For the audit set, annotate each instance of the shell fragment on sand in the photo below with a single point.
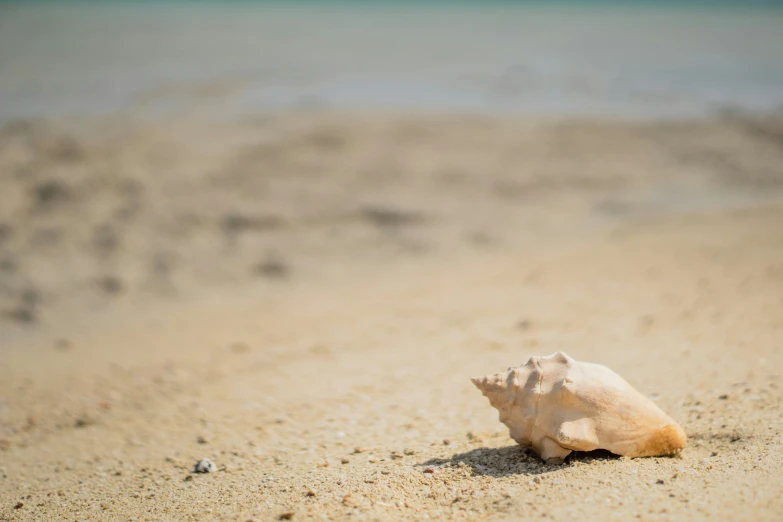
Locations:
(204, 466)
(557, 405)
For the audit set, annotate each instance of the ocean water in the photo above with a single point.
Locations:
(629, 59)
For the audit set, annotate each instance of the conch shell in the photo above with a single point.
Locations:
(557, 405)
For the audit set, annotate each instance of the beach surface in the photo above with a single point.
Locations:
(302, 298)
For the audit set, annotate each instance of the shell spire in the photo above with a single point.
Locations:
(493, 387)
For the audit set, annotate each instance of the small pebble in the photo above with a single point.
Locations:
(286, 516)
(204, 466)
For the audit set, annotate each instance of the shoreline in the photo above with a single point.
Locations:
(526, 60)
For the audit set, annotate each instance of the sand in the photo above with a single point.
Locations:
(302, 298)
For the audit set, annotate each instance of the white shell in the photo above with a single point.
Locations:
(557, 405)
(204, 466)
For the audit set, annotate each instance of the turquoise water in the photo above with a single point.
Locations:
(619, 58)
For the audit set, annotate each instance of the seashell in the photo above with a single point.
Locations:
(204, 466)
(556, 405)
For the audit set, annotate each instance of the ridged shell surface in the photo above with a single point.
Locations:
(557, 405)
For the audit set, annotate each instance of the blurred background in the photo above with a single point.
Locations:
(631, 58)
(152, 149)
(282, 235)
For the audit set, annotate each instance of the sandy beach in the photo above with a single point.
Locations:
(303, 297)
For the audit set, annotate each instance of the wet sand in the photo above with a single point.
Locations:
(302, 298)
